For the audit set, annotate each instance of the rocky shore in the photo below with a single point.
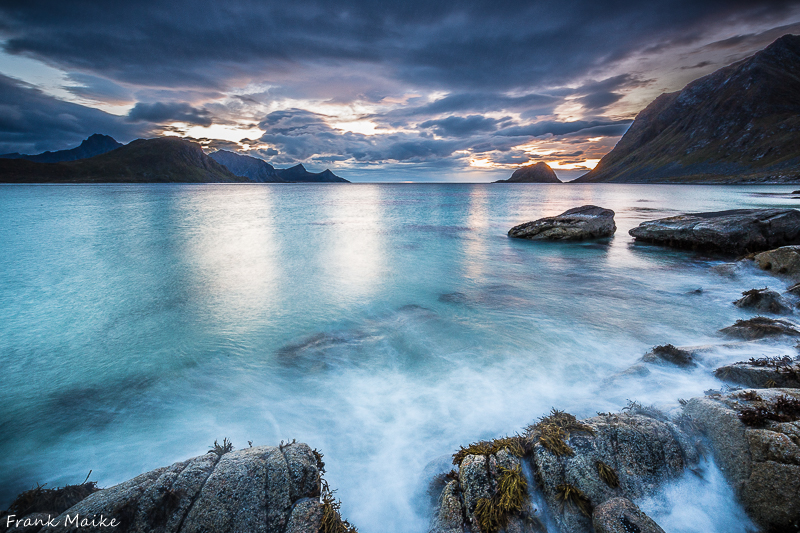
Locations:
(558, 474)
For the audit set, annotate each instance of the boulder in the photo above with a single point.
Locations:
(764, 301)
(762, 373)
(670, 355)
(259, 489)
(759, 328)
(738, 231)
(586, 222)
(620, 515)
(577, 465)
(755, 438)
(637, 453)
(783, 260)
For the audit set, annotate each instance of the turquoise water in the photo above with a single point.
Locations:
(383, 324)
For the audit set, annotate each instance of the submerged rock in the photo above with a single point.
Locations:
(620, 515)
(755, 438)
(260, 489)
(765, 301)
(586, 222)
(783, 260)
(763, 372)
(737, 231)
(669, 354)
(759, 328)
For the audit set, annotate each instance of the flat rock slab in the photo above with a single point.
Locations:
(737, 231)
(761, 375)
(579, 223)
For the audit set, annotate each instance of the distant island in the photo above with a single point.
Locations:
(538, 173)
(101, 159)
(740, 124)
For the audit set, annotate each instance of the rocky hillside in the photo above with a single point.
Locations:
(166, 159)
(538, 173)
(740, 124)
(252, 168)
(298, 173)
(95, 145)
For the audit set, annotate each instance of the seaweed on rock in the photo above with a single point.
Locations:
(221, 449)
(511, 496)
(553, 431)
(516, 445)
(56, 500)
(783, 409)
(607, 474)
(332, 521)
(567, 493)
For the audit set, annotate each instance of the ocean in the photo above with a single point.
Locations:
(385, 325)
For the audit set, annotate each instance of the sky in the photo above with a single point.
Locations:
(417, 90)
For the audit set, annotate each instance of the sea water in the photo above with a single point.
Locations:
(384, 325)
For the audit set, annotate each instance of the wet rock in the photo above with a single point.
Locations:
(642, 452)
(760, 460)
(620, 515)
(729, 270)
(577, 466)
(306, 517)
(794, 290)
(586, 222)
(250, 490)
(762, 373)
(737, 231)
(449, 515)
(764, 301)
(759, 328)
(670, 355)
(784, 260)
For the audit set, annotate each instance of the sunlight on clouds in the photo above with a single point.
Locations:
(588, 163)
(364, 127)
(223, 132)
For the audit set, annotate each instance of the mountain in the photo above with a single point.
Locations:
(298, 173)
(251, 168)
(740, 124)
(165, 159)
(538, 173)
(95, 145)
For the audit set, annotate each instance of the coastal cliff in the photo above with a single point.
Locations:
(740, 124)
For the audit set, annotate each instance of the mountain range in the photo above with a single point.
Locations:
(165, 159)
(740, 124)
(95, 145)
(260, 171)
(101, 159)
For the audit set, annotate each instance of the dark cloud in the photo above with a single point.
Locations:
(600, 100)
(477, 43)
(461, 126)
(100, 89)
(32, 122)
(160, 112)
(557, 128)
